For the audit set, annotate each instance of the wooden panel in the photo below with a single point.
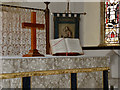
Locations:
(29, 25)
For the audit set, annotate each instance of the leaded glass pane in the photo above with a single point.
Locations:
(112, 22)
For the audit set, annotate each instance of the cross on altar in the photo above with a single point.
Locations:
(33, 52)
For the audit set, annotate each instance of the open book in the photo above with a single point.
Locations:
(66, 46)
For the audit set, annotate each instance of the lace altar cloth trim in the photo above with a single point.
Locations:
(17, 41)
(17, 65)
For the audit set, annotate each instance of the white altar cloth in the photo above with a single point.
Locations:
(29, 64)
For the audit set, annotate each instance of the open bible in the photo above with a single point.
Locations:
(66, 47)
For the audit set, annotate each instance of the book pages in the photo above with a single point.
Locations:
(73, 45)
(58, 46)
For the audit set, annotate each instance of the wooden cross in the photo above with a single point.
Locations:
(33, 52)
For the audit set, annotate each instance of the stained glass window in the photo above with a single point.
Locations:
(112, 22)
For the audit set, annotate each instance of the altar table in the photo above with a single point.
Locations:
(54, 72)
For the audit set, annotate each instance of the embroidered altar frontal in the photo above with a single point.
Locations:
(60, 79)
(14, 40)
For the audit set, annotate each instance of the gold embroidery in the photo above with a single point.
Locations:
(50, 72)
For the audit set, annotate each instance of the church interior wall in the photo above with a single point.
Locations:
(89, 24)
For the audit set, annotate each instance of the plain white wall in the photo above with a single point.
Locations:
(91, 24)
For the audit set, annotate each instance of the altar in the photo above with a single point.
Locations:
(54, 72)
(42, 72)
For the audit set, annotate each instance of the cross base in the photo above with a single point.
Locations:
(33, 53)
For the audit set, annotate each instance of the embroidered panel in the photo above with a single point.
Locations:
(16, 41)
(14, 83)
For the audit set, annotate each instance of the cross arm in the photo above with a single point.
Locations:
(33, 25)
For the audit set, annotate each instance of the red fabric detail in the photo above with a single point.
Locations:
(67, 54)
